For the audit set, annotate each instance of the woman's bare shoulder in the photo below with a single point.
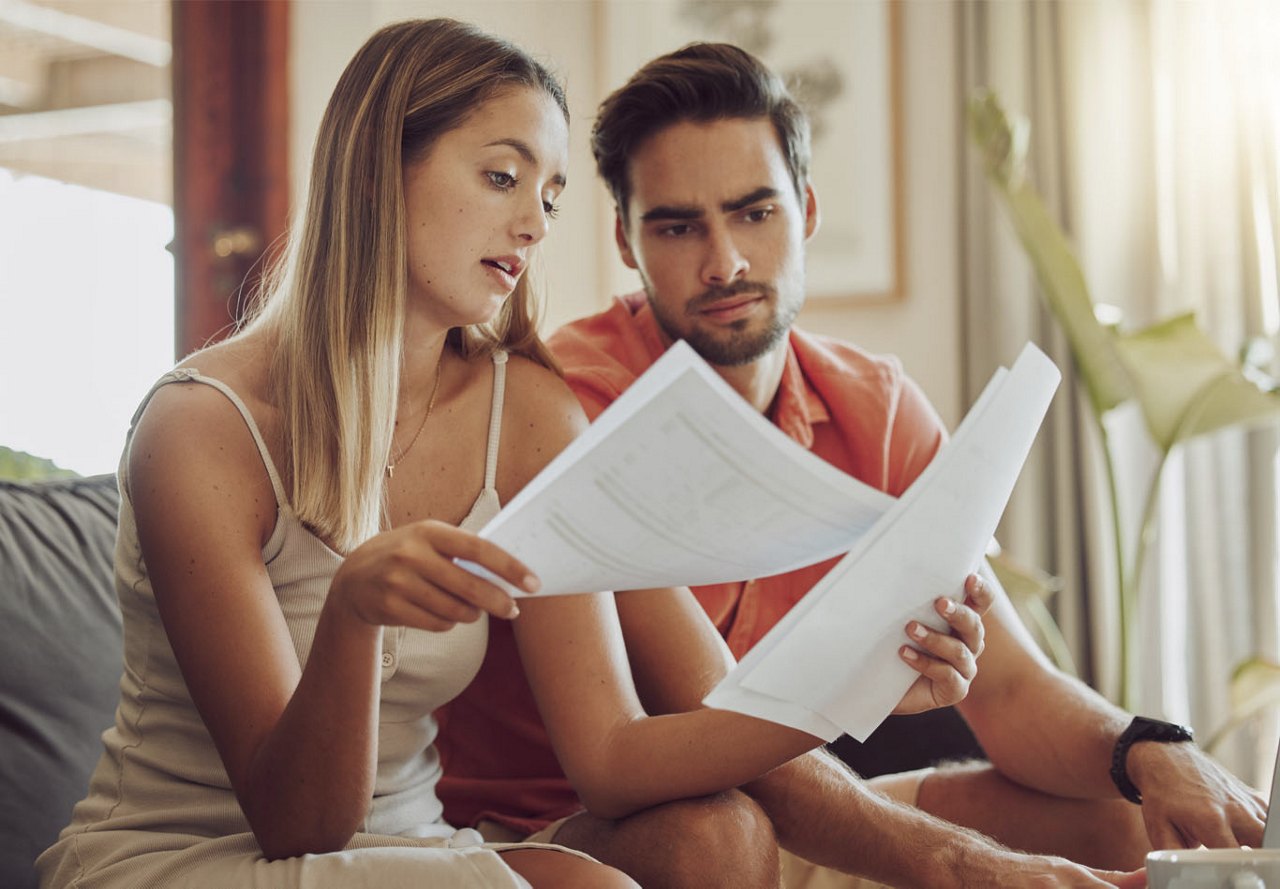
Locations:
(541, 416)
(540, 396)
(192, 445)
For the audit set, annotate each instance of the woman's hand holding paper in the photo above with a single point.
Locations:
(947, 662)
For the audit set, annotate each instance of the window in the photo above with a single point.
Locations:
(86, 316)
(86, 282)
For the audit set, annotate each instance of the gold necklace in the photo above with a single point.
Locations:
(431, 402)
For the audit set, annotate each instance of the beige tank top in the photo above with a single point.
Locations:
(160, 770)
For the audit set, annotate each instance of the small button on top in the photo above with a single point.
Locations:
(465, 838)
(388, 659)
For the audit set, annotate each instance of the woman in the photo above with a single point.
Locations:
(293, 500)
(255, 468)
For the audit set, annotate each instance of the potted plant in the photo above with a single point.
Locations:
(1181, 381)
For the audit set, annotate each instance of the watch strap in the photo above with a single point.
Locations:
(1142, 728)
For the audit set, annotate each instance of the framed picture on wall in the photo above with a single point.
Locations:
(840, 58)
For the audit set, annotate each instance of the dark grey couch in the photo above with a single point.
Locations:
(60, 656)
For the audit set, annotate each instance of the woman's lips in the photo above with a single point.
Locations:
(507, 278)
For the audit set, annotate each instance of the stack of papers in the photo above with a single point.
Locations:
(681, 482)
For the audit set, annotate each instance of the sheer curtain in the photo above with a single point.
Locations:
(1155, 128)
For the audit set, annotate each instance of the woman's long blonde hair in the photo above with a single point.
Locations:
(335, 303)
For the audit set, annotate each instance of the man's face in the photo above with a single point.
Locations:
(717, 232)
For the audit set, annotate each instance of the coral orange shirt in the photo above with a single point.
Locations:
(857, 411)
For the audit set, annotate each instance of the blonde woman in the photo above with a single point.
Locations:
(293, 500)
(285, 651)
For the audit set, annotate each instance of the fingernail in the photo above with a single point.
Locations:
(910, 654)
(918, 630)
(531, 583)
(513, 612)
(948, 607)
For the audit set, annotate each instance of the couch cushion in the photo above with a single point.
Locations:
(60, 656)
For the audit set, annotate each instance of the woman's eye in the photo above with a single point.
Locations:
(550, 209)
(501, 180)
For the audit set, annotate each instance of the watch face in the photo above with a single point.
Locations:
(1146, 729)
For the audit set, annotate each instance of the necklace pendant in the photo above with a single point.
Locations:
(391, 471)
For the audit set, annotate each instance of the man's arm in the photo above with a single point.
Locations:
(820, 810)
(1046, 730)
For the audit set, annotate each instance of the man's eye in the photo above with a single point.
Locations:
(676, 231)
(501, 180)
(760, 214)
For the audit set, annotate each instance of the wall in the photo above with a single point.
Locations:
(922, 328)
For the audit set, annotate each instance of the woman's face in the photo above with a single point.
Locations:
(478, 203)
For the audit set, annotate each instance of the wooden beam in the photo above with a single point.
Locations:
(230, 131)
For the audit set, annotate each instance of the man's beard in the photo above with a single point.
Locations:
(741, 346)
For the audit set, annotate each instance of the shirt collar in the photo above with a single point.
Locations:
(797, 407)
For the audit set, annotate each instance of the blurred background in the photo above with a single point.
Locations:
(150, 152)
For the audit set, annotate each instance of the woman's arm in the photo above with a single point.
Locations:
(299, 745)
(617, 757)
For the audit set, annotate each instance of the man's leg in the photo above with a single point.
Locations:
(1099, 833)
(724, 840)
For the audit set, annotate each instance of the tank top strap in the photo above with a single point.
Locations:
(495, 419)
(191, 375)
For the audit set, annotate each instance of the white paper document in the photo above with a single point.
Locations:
(680, 482)
(831, 664)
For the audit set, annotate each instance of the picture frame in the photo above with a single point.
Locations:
(841, 59)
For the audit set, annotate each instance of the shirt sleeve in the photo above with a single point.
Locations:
(916, 435)
(593, 391)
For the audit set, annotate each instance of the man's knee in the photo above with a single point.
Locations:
(732, 821)
(720, 840)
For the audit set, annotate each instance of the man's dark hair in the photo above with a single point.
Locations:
(701, 82)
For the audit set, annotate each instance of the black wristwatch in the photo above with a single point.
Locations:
(1141, 729)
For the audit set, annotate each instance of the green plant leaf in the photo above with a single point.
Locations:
(1255, 686)
(1186, 386)
(1062, 283)
(21, 466)
(1029, 590)
(1020, 581)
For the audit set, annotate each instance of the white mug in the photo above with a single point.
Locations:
(1214, 869)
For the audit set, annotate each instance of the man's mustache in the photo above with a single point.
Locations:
(713, 295)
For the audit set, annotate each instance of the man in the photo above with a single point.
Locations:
(706, 157)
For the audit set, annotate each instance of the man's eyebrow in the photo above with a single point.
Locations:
(522, 148)
(691, 211)
(760, 194)
(672, 211)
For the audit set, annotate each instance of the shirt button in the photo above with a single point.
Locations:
(387, 659)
